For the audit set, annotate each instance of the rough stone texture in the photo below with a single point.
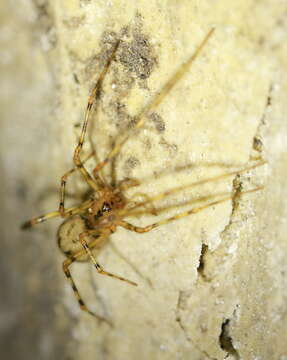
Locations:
(211, 285)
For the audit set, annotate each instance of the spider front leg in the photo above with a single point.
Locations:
(96, 183)
(155, 101)
(148, 202)
(128, 183)
(92, 98)
(66, 264)
(98, 267)
(63, 212)
(69, 212)
(194, 210)
(87, 250)
(82, 305)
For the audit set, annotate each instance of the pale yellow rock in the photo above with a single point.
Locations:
(211, 285)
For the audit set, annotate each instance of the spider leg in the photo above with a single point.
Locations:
(161, 209)
(92, 141)
(183, 187)
(64, 212)
(93, 96)
(69, 212)
(148, 202)
(66, 265)
(194, 210)
(128, 183)
(113, 170)
(157, 99)
(98, 267)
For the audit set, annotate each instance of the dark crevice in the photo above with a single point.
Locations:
(44, 15)
(226, 342)
(236, 192)
(258, 145)
(237, 189)
(268, 103)
(201, 266)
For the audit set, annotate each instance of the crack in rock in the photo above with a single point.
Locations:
(226, 341)
(257, 140)
(201, 265)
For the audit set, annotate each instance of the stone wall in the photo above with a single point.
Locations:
(211, 285)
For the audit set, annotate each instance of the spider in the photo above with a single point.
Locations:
(91, 223)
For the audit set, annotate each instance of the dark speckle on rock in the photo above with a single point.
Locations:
(158, 121)
(132, 162)
(137, 56)
(21, 190)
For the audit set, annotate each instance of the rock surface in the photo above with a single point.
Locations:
(211, 285)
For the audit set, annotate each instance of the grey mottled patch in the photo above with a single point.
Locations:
(171, 148)
(95, 63)
(158, 121)
(257, 144)
(76, 79)
(132, 162)
(137, 54)
(74, 21)
(44, 30)
(137, 57)
(122, 118)
(21, 190)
